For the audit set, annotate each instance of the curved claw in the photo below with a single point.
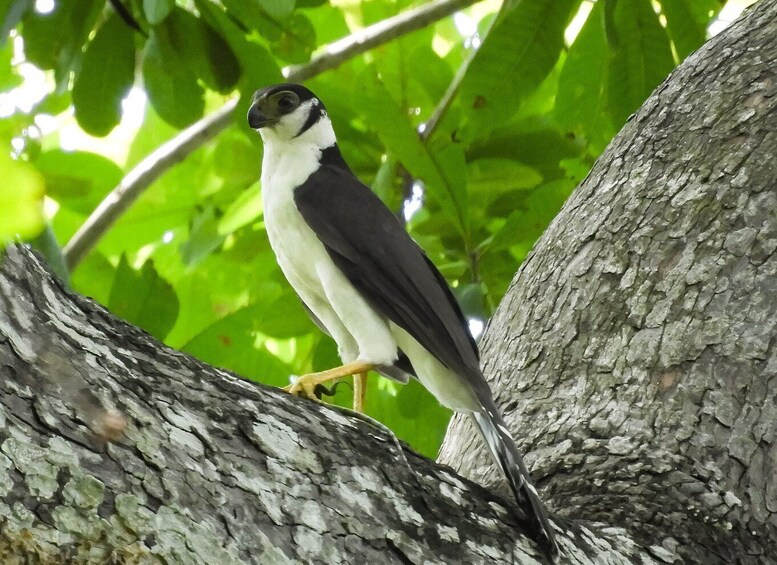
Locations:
(305, 388)
(310, 386)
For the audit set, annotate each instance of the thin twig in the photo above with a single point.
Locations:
(140, 178)
(430, 125)
(196, 135)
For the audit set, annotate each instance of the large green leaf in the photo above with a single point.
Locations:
(94, 277)
(520, 50)
(171, 86)
(9, 78)
(245, 209)
(21, 198)
(488, 176)
(204, 237)
(207, 54)
(528, 222)
(284, 318)
(11, 11)
(237, 160)
(78, 179)
(581, 98)
(257, 63)
(55, 40)
(641, 58)
(291, 35)
(410, 411)
(401, 139)
(106, 75)
(143, 298)
(221, 284)
(296, 41)
(232, 343)
(277, 8)
(687, 21)
(157, 10)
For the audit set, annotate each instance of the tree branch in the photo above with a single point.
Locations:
(116, 448)
(377, 34)
(636, 348)
(176, 149)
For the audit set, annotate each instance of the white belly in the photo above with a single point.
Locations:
(360, 332)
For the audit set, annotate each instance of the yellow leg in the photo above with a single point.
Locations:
(359, 391)
(306, 384)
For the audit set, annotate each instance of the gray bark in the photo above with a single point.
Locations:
(634, 357)
(115, 448)
(635, 354)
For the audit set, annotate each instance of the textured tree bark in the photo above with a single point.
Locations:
(635, 354)
(634, 357)
(115, 448)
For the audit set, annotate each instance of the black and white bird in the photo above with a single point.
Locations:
(367, 283)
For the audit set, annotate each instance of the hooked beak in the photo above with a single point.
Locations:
(256, 118)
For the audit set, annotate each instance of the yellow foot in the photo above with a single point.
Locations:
(306, 384)
(359, 391)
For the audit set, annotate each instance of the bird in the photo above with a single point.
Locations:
(368, 284)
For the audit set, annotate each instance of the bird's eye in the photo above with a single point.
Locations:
(286, 103)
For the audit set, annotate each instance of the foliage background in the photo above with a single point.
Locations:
(528, 93)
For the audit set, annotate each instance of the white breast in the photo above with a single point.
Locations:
(296, 247)
(360, 331)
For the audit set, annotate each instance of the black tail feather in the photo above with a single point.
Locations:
(506, 456)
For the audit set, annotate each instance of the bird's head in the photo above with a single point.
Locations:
(286, 112)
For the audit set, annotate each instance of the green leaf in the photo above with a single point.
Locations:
(256, 61)
(410, 411)
(78, 179)
(157, 10)
(251, 15)
(21, 199)
(291, 35)
(528, 222)
(246, 209)
(172, 88)
(278, 9)
(9, 78)
(330, 25)
(143, 298)
(46, 244)
(498, 175)
(106, 75)
(55, 40)
(397, 133)
(687, 21)
(581, 100)
(296, 41)
(236, 160)
(641, 58)
(94, 277)
(11, 11)
(536, 143)
(284, 318)
(202, 50)
(520, 50)
(204, 237)
(232, 343)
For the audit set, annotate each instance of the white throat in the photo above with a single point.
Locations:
(286, 131)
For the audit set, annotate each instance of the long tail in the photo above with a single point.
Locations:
(506, 456)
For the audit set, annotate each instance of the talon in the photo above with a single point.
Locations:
(307, 386)
(320, 390)
(303, 388)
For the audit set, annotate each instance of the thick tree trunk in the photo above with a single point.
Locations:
(636, 353)
(634, 357)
